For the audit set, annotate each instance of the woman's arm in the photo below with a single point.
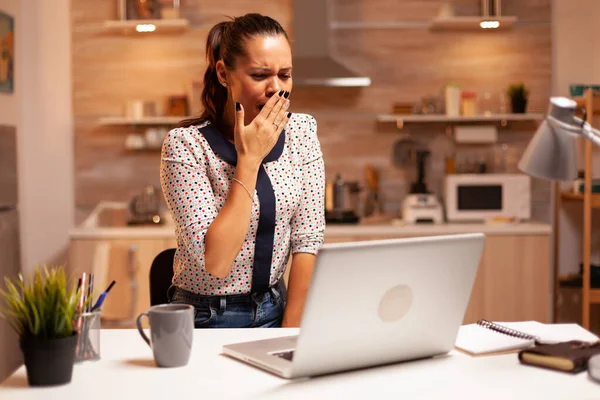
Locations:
(307, 224)
(226, 234)
(300, 276)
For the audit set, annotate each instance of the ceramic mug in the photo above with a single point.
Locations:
(171, 333)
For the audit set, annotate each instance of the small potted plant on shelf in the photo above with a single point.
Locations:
(42, 311)
(518, 95)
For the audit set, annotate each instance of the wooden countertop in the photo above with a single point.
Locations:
(91, 228)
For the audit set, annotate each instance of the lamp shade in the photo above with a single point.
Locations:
(551, 154)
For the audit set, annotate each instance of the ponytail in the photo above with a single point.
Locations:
(226, 41)
(214, 95)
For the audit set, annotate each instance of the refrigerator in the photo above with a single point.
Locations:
(10, 254)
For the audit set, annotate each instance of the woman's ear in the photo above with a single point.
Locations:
(221, 72)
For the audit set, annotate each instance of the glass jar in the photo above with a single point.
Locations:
(469, 103)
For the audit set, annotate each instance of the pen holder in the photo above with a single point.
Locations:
(88, 342)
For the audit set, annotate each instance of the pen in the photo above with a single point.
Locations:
(82, 294)
(90, 292)
(100, 300)
(81, 299)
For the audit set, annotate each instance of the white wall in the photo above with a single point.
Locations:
(42, 111)
(576, 43)
(46, 156)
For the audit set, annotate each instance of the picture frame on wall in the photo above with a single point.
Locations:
(7, 53)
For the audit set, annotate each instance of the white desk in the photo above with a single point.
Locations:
(127, 371)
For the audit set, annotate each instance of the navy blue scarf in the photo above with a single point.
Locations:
(265, 234)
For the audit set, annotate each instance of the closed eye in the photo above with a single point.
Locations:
(264, 76)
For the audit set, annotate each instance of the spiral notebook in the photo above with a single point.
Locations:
(486, 338)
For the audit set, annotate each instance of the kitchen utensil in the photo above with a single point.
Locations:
(422, 208)
(372, 201)
(403, 151)
(341, 200)
(419, 186)
(144, 208)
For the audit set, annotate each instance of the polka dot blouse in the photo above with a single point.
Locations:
(197, 167)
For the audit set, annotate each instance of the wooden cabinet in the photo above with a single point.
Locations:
(513, 282)
(127, 261)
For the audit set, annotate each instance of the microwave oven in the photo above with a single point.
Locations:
(479, 197)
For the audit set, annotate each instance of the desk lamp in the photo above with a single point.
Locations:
(552, 155)
(552, 152)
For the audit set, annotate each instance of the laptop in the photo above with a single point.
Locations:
(373, 303)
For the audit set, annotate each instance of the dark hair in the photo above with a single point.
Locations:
(226, 41)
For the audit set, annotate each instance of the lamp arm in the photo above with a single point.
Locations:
(583, 128)
(591, 134)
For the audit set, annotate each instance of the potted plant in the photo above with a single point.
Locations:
(42, 312)
(518, 94)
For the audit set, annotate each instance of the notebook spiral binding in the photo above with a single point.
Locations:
(505, 330)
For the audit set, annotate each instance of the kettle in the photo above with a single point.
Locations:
(341, 200)
(341, 195)
(144, 207)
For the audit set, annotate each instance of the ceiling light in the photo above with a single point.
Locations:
(145, 27)
(489, 24)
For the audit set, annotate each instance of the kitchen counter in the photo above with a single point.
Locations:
(108, 221)
(398, 227)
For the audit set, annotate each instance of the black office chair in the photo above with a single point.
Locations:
(161, 275)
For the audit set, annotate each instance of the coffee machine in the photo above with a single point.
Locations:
(421, 206)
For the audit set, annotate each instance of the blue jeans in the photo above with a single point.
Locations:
(256, 310)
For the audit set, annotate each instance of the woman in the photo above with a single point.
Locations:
(245, 185)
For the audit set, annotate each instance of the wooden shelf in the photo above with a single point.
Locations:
(580, 100)
(471, 23)
(400, 119)
(595, 296)
(594, 293)
(147, 26)
(570, 196)
(588, 295)
(140, 121)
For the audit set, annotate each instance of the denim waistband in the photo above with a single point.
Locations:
(178, 294)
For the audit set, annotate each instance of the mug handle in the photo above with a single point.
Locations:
(138, 322)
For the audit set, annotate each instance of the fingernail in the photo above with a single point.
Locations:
(286, 94)
(289, 115)
(281, 93)
(238, 106)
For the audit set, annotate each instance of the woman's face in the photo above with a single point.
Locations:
(265, 70)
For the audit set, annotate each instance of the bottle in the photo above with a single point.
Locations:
(450, 164)
(452, 100)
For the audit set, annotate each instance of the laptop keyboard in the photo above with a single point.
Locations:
(288, 355)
